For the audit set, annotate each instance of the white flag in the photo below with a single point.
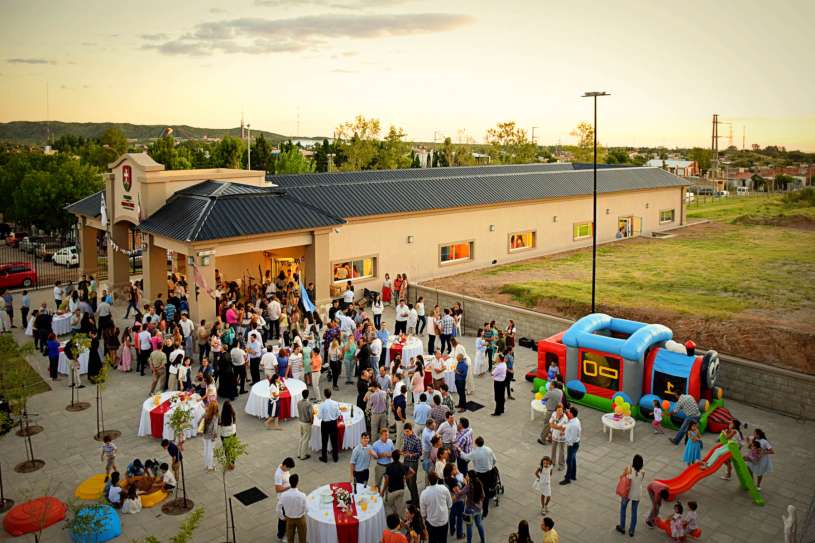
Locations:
(104, 212)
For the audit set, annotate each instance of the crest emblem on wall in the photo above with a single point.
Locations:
(127, 177)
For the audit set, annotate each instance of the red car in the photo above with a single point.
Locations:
(17, 274)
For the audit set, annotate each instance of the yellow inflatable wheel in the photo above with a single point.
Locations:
(91, 488)
(150, 500)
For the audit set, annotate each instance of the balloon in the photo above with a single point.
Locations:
(666, 405)
(618, 410)
(618, 400)
(626, 405)
(538, 396)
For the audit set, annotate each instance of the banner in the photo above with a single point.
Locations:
(310, 307)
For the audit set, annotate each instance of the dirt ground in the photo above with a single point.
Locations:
(779, 338)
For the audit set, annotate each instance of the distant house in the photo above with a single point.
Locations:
(682, 168)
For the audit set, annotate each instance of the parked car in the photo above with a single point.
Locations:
(17, 274)
(29, 243)
(46, 249)
(742, 191)
(723, 193)
(67, 256)
(704, 191)
(14, 239)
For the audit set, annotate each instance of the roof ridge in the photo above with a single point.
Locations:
(202, 218)
(313, 207)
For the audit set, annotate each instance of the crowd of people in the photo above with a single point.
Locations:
(435, 473)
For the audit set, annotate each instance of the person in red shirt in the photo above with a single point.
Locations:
(658, 492)
(392, 534)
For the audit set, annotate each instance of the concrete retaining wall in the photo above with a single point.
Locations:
(750, 382)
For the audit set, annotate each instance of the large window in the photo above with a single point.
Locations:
(456, 252)
(359, 268)
(520, 241)
(599, 370)
(666, 215)
(581, 230)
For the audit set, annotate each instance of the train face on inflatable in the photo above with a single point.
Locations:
(601, 357)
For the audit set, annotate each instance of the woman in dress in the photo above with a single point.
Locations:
(272, 422)
(94, 360)
(296, 362)
(227, 388)
(509, 334)
(387, 290)
(480, 363)
(417, 382)
(126, 352)
(693, 447)
(110, 336)
(397, 288)
(227, 426)
(759, 462)
(377, 308)
(458, 318)
(210, 434)
(334, 356)
(403, 288)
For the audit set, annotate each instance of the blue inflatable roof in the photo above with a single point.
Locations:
(583, 333)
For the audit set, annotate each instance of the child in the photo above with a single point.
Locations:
(690, 520)
(132, 503)
(553, 372)
(135, 468)
(167, 476)
(677, 523)
(657, 422)
(693, 448)
(109, 456)
(113, 492)
(543, 483)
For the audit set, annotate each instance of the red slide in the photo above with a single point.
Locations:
(693, 474)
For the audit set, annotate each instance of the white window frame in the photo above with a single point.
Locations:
(522, 233)
(457, 260)
(375, 259)
(673, 216)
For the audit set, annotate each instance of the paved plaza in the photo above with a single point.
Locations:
(586, 511)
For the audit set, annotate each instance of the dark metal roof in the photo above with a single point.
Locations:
(367, 176)
(90, 206)
(357, 199)
(214, 210)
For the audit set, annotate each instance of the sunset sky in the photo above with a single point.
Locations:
(429, 67)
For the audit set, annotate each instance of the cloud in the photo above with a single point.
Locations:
(30, 61)
(88, 44)
(256, 35)
(339, 4)
(159, 36)
(217, 10)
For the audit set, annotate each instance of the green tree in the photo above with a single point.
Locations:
(510, 144)
(227, 455)
(393, 152)
(229, 152)
(585, 144)
(617, 156)
(293, 161)
(414, 160)
(262, 155)
(702, 157)
(321, 156)
(164, 151)
(360, 141)
(115, 139)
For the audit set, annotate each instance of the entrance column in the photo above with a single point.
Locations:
(202, 304)
(318, 267)
(181, 264)
(154, 269)
(88, 263)
(118, 264)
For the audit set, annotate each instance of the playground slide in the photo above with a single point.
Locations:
(693, 474)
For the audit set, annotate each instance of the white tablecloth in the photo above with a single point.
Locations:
(320, 518)
(353, 429)
(412, 348)
(149, 404)
(62, 365)
(60, 324)
(258, 402)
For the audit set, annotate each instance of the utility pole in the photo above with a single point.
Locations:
(249, 147)
(533, 133)
(743, 136)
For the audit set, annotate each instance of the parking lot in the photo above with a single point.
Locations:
(47, 273)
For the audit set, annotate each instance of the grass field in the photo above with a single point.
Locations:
(752, 266)
(15, 372)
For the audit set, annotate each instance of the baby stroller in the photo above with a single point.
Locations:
(497, 486)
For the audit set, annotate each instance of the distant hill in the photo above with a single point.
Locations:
(36, 132)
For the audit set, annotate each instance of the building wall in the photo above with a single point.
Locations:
(387, 238)
(750, 382)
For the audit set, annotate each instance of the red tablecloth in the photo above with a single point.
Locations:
(395, 349)
(157, 419)
(347, 524)
(284, 405)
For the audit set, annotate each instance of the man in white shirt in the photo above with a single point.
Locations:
(58, 294)
(348, 296)
(145, 347)
(329, 413)
(347, 325)
(238, 357)
(282, 482)
(269, 363)
(447, 431)
(292, 505)
(437, 368)
(435, 503)
(573, 431)
(187, 327)
(376, 352)
(402, 314)
(274, 310)
(499, 375)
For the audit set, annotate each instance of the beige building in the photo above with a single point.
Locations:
(360, 225)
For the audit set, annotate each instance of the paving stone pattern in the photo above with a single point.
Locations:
(585, 511)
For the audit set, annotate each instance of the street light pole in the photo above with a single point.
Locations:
(594, 95)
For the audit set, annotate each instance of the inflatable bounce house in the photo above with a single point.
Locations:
(601, 358)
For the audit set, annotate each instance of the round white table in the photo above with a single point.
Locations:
(412, 348)
(354, 428)
(536, 407)
(194, 403)
(62, 365)
(61, 324)
(257, 404)
(449, 370)
(320, 518)
(610, 424)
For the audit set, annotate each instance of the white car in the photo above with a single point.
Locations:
(67, 256)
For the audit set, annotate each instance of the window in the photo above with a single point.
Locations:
(520, 241)
(666, 215)
(360, 268)
(581, 230)
(599, 370)
(454, 252)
